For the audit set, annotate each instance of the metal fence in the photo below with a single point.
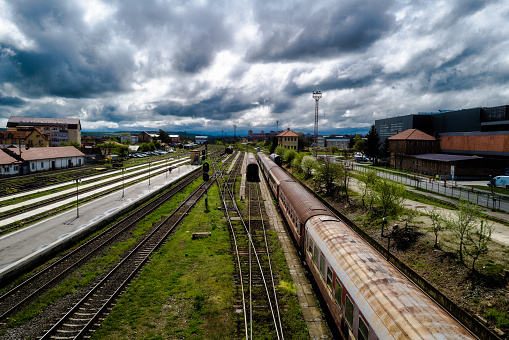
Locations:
(445, 188)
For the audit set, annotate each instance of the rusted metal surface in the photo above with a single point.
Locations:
(391, 304)
(303, 203)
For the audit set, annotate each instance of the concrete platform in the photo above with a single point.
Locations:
(23, 248)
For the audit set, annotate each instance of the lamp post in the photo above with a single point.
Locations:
(123, 170)
(149, 163)
(316, 95)
(78, 181)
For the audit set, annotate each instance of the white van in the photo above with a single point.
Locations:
(499, 181)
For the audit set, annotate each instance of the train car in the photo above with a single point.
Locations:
(298, 205)
(367, 296)
(252, 168)
(273, 173)
(276, 159)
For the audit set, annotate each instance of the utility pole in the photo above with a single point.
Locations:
(316, 95)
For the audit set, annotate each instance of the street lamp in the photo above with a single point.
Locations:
(123, 170)
(78, 181)
(316, 95)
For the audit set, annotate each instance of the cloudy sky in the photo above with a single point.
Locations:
(202, 66)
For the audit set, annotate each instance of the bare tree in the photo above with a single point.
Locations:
(367, 181)
(462, 224)
(436, 223)
(478, 241)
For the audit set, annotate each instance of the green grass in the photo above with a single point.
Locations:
(500, 318)
(95, 267)
(186, 291)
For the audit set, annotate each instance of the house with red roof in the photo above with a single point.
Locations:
(288, 139)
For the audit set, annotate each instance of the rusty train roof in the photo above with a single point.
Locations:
(392, 304)
(304, 203)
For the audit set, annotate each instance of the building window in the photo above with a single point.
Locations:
(33, 166)
(42, 165)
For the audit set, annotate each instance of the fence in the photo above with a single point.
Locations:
(483, 198)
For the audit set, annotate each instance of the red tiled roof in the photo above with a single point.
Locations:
(412, 134)
(50, 152)
(288, 133)
(15, 134)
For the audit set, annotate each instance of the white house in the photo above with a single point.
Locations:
(133, 139)
(8, 164)
(44, 159)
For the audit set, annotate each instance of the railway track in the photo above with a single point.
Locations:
(44, 202)
(257, 303)
(84, 315)
(39, 283)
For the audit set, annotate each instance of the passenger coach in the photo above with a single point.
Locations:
(366, 295)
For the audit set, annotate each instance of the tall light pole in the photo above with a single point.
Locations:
(149, 173)
(123, 170)
(78, 181)
(316, 95)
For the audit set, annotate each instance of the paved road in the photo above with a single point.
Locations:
(26, 244)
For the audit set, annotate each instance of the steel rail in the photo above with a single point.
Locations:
(59, 268)
(141, 254)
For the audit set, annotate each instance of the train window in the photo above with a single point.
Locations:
(338, 293)
(310, 245)
(363, 332)
(315, 257)
(349, 312)
(322, 266)
(329, 278)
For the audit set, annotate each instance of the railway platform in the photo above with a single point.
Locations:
(24, 247)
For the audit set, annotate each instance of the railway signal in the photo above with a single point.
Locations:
(205, 171)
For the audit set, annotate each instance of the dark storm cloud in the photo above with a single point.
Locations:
(70, 60)
(11, 101)
(319, 30)
(192, 34)
(120, 63)
(213, 108)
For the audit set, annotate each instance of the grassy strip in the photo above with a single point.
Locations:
(99, 265)
(186, 291)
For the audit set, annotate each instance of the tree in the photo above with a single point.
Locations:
(289, 156)
(436, 223)
(478, 241)
(273, 145)
(373, 144)
(367, 181)
(121, 150)
(360, 144)
(462, 224)
(307, 165)
(75, 144)
(165, 138)
(390, 196)
(386, 149)
(327, 174)
(280, 151)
